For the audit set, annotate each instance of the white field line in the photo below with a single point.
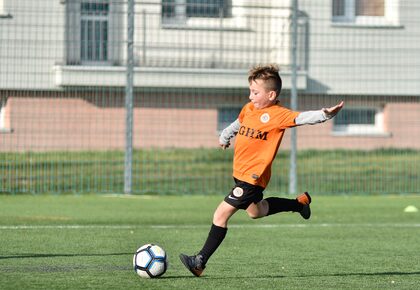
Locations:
(129, 227)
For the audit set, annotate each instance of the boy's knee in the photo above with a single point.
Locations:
(254, 215)
(220, 220)
(258, 210)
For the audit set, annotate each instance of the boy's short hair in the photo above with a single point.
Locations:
(269, 74)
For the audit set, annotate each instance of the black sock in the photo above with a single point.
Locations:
(215, 238)
(277, 204)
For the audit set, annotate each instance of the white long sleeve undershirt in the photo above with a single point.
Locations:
(229, 132)
(311, 117)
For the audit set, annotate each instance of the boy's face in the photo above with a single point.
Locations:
(260, 96)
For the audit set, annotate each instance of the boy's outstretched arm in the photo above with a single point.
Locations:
(228, 133)
(315, 117)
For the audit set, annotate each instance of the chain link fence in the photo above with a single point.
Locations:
(63, 79)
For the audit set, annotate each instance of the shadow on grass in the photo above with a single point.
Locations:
(33, 255)
(375, 274)
(388, 273)
(210, 277)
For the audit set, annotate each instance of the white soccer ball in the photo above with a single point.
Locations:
(150, 261)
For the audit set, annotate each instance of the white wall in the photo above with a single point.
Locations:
(31, 43)
(343, 59)
(363, 59)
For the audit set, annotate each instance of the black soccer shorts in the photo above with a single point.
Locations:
(243, 194)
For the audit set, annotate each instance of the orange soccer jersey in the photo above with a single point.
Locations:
(258, 140)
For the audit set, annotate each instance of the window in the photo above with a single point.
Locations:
(365, 12)
(4, 117)
(91, 36)
(94, 31)
(178, 11)
(359, 121)
(3, 12)
(225, 116)
(370, 8)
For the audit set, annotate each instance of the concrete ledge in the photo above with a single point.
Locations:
(115, 76)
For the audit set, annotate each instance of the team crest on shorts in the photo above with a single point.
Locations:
(237, 192)
(265, 118)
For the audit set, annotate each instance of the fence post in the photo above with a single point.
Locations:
(128, 176)
(144, 37)
(293, 102)
(220, 36)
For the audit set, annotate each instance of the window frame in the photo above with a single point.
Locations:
(3, 13)
(390, 17)
(181, 19)
(4, 117)
(94, 20)
(357, 129)
(74, 20)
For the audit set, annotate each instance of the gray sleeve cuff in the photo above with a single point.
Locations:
(229, 132)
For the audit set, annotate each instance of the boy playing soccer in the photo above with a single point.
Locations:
(259, 130)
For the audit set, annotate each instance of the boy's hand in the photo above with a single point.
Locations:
(332, 111)
(224, 146)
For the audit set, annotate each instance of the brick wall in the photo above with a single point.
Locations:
(67, 123)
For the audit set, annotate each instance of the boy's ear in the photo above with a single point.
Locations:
(272, 95)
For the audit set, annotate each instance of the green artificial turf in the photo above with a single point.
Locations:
(88, 241)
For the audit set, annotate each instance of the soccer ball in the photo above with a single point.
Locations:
(150, 261)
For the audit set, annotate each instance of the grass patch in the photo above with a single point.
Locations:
(87, 242)
(207, 171)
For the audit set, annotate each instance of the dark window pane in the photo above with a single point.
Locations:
(339, 7)
(370, 8)
(168, 8)
(94, 8)
(94, 31)
(104, 40)
(83, 43)
(97, 40)
(89, 40)
(205, 8)
(356, 117)
(196, 8)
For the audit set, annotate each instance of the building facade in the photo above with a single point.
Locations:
(63, 71)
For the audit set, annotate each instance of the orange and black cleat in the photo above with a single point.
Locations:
(305, 200)
(193, 263)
